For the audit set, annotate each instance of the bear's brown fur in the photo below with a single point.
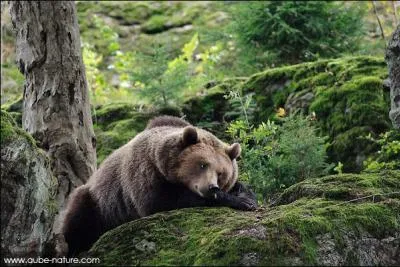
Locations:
(169, 165)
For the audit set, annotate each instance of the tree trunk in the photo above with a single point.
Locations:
(379, 21)
(56, 102)
(393, 60)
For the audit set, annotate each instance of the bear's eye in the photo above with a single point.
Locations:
(203, 165)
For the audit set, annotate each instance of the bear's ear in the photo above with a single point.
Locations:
(189, 136)
(233, 151)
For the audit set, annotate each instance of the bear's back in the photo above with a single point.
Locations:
(167, 121)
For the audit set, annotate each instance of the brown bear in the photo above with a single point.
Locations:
(169, 165)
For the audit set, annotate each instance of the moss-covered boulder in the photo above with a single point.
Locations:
(27, 193)
(116, 123)
(209, 110)
(347, 95)
(14, 109)
(170, 24)
(334, 220)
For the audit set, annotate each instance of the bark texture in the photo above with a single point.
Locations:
(393, 61)
(56, 110)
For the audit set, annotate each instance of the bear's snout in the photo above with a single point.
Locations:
(212, 191)
(213, 187)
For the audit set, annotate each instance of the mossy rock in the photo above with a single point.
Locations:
(343, 187)
(103, 115)
(14, 106)
(28, 190)
(14, 109)
(119, 133)
(10, 130)
(213, 110)
(206, 108)
(347, 96)
(117, 123)
(320, 225)
(156, 24)
(146, 22)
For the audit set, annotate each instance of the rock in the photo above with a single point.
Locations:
(184, 28)
(369, 251)
(117, 123)
(250, 259)
(326, 252)
(27, 193)
(343, 187)
(301, 100)
(393, 60)
(347, 96)
(145, 246)
(319, 223)
(256, 232)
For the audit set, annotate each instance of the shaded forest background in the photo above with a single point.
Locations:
(116, 40)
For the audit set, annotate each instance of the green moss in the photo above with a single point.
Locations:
(208, 111)
(148, 22)
(155, 24)
(128, 13)
(132, 13)
(14, 109)
(349, 101)
(178, 231)
(12, 79)
(325, 205)
(10, 131)
(313, 217)
(343, 187)
(350, 145)
(13, 106)
(7, 126)
(275, 235)
(108, 113)
(117, 134)
(117, 123)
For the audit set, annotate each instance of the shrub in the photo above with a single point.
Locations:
(293, 31)
(388, 155)
(160, 80)
(275, 157)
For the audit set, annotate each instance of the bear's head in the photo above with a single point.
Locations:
(206, 164)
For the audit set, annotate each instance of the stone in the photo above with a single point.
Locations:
(27, 193)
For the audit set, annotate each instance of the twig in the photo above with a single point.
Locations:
(379, 22)
(360, 198)
(244, 110)
(394, 13)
